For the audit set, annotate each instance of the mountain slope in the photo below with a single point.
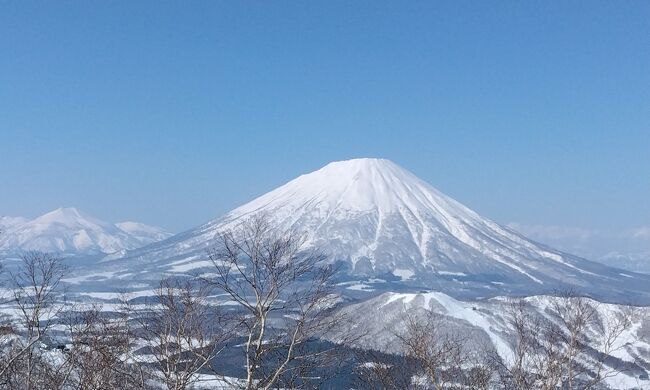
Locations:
(71, 232)
(488, 323)
(145, 234)
(7, 222)
(382, 221)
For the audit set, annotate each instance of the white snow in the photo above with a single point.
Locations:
(452, 273)
(184, 267)
(360, 287)
(91, 276)
(117, 295)
(404, 274)
(7, 222)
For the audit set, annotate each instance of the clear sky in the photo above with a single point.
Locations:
(172, 113)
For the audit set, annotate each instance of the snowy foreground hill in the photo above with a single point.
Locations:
(70, 232)
(488, 326)
(382, 222)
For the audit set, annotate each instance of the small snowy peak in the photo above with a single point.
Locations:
(70, 231)
(69, 217)
(358, 185)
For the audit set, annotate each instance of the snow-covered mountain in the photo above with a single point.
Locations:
(384, 222)
(72, 232)
(636, 261)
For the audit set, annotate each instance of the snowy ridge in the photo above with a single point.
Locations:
(70, 231)
(7, 222)
(145, 234)
(487, 321)
(382, 220)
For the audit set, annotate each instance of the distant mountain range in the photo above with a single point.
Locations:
(623, 248)
(69, 231)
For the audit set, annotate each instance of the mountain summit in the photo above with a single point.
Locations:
(381, 221)
(357, 186)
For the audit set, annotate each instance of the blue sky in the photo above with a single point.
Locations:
(172, 113)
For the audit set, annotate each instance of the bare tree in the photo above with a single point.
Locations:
(565, 347)
(88, 348)
(99, 351)
(35, 296)
(182, 332)
(535, 351)
(443, 357)
(434, 354)
(586, 329)
(272, 279)
(377, 370)
(613, 326)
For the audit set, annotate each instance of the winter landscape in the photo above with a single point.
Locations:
(324, 195)
(375, 255)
